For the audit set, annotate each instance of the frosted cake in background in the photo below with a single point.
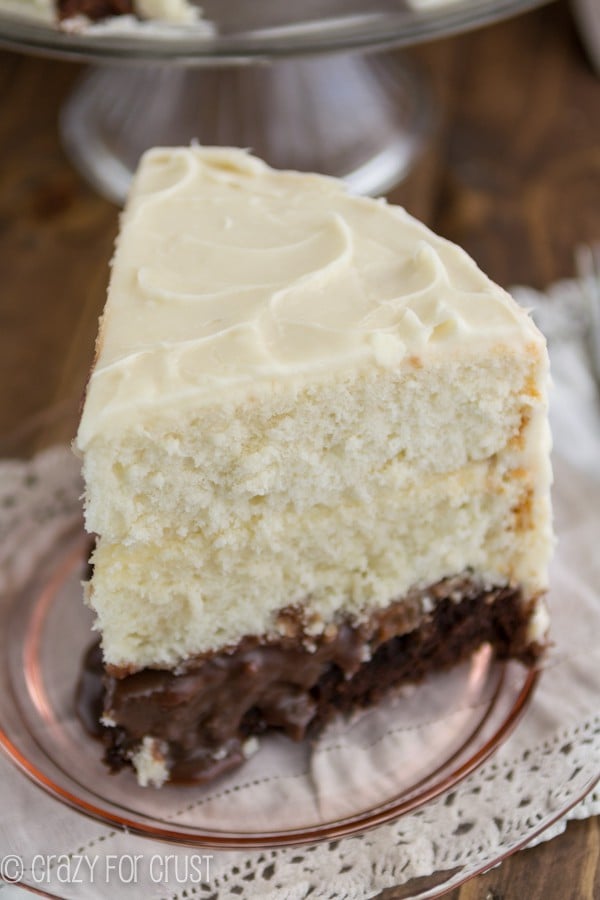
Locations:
(75, 15)
(316, 453)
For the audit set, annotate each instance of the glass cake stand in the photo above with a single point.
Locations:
(284, 79)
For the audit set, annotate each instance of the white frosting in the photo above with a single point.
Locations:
(37, 10)
(229, 274)
(178, 11)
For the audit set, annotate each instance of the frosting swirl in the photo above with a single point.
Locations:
(228, 272)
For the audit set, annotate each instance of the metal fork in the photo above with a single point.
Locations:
(587, 262)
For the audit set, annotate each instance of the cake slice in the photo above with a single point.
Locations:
(316, 455)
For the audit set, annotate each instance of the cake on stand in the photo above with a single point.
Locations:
(299, 84)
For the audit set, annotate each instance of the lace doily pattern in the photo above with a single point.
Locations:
(39, 499)
(454, 835)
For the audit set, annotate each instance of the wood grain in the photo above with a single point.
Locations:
(55, 240)
(513, 175)
(518, 152)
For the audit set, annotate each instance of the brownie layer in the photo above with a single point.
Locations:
(200, 717)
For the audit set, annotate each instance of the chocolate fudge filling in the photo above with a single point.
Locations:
(203, 713)
(94, 9)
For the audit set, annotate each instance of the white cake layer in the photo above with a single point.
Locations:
(215, 468)
(300, 397)
(159, 603)
(356, 493)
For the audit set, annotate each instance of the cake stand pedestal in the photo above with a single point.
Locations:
(361, 118)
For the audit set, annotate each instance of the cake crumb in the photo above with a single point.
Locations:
(315, 625)
(427, 604)
(219, 754)
(366, 655)
(149, 762)
(539, 623)
(250, 747)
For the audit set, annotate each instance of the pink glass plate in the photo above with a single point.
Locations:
(359, 774)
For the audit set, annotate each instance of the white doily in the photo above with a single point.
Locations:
(537, 774)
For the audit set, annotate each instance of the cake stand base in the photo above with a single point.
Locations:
(362, 118)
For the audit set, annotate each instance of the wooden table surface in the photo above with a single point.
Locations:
(513, 175)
